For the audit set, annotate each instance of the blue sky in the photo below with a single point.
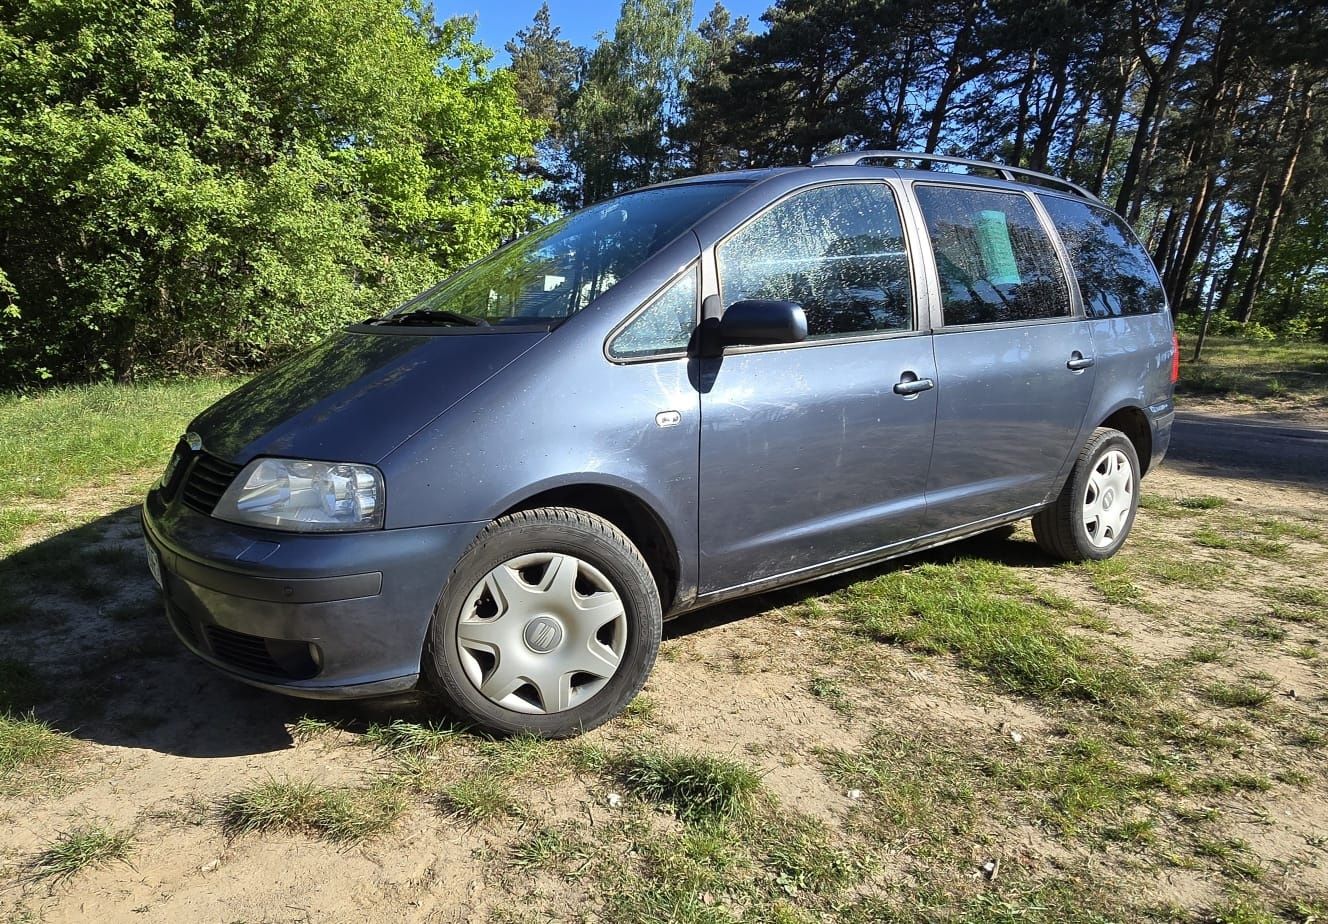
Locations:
(580, 20)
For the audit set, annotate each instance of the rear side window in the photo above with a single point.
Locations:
(1116, 277)
(838, 251)
(995, 261)
(665, 327)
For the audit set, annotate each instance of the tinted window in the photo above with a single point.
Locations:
(664, 327)
(558, 270)
(1116, 277)
(838, 251)
(994, 260)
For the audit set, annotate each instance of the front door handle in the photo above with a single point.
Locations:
(909, 385)
(1079, 362)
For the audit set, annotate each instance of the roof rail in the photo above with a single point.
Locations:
(1013, 174)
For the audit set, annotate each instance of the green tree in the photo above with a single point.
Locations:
(547, 71)
(186, 183)
(630, 102)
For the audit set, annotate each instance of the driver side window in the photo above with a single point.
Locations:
(838, 251)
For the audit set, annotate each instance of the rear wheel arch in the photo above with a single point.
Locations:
(629, 513)
(1133, 422)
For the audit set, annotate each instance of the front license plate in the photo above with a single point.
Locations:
(154, 562)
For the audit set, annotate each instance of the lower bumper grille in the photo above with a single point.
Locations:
(269, 657)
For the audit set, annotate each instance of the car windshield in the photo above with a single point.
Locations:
(559, 269)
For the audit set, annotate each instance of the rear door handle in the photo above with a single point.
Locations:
(1078, 361)
(909, 385)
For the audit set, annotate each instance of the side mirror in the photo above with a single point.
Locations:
(758, 322)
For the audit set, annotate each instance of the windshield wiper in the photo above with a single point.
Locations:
(424, 317)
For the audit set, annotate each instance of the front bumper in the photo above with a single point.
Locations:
(335, 616)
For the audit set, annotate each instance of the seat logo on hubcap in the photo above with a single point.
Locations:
(543, 634)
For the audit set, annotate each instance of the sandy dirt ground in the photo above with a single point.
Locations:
(162, 739)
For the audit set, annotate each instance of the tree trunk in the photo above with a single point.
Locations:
(1252, 214)
(1021, 117)
(954, 75)
(1245, 310)
(1077, 133)
(1159, 79)
(1212, 233)
(1047, 124)
(1113, 124)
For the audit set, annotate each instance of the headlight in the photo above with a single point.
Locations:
(304, 496)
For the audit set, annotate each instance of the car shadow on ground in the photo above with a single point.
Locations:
(86, 647)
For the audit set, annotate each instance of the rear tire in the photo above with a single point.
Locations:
(1093, 514)
(549, 625)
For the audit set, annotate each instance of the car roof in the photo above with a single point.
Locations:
(1031, 182)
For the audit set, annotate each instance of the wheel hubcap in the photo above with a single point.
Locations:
(542, 633)
(1108, 498)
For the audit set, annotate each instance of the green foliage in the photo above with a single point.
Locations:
(214, 182)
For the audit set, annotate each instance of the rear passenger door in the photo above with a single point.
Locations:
(1014, 360)
(809, 452)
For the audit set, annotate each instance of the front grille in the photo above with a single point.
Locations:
(208, 479)
(270, 657)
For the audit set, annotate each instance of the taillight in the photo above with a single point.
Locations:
(1175, 358)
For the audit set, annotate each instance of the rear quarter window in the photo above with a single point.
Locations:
(1116, 276)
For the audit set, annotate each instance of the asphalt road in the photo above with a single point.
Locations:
(1252, 449)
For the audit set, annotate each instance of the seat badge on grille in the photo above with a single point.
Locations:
(193, 441)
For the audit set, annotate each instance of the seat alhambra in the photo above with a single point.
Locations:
(694, 391)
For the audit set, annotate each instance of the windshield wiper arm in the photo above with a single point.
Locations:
(429, 317)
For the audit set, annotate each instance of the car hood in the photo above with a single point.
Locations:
(356, 396)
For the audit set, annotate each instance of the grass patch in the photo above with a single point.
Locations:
(1232, 538)
(1201, 574)
(1111, 578)
(73, 436)
(1207, 653)
(698, 787)
(87, 847)
(552, 849)
(478, 798)
(308, 727)
(914, 791)
(1203, 502)
(802, 858)
(1263, 629)
(980, 612)
(1233, 366)
(1298, 595)
(1241, 695)
(28, 743)
(338, 814)
(409, 737)
(832, 694)
(1220, 783)
(1287, 529)
(640, 711)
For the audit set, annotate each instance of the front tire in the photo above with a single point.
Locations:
(1094, 512)
(549, 625)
